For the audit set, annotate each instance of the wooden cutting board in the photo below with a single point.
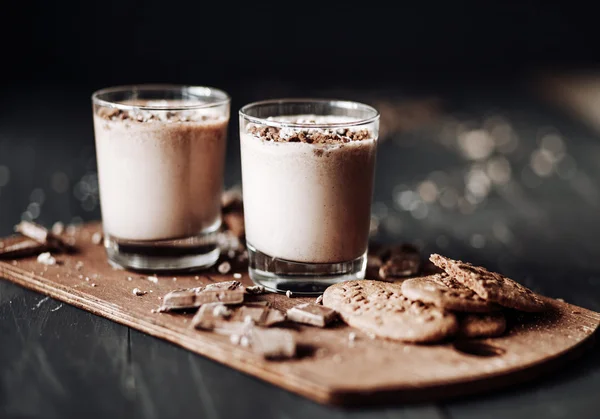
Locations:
(329, 368)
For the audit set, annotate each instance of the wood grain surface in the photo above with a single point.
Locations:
(329, 369)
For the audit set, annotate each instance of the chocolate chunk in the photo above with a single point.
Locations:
(273, 343)
(19, 246)
(229, 292)
(224, 286)
(180, 299)
(400, 261)
(206, 318)
(41, 235)
(259, 315)
(225, 297)
(255, 290)
(312, 314)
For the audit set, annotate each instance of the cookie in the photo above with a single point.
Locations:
(445, 292)
(490, 285)
(380, 308)
(482, 325)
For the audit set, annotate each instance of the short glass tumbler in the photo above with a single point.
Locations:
(161, 153)
(307, 172)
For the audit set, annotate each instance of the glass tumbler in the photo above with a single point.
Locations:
(307, 175)
(161, 153)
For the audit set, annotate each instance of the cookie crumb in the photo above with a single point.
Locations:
(94, 285)
(129, 278)
(97, 238)
(174, 279)
(237, 276)
(153, 279)
(319, 299)
(79, 265)
(560, 299)
(45, 259)
(138, 292)
(244, 341)
(288, 294)
(235, 339)
(351, 336)
(224, 267)
(153, 311)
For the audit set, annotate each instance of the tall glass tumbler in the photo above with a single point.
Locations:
(307, 171)
(161, 154)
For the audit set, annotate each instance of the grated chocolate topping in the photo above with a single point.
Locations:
(309, 135)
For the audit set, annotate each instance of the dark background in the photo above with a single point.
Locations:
(478, 62)
(95, 44)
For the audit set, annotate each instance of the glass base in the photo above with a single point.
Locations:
(191, 253)
(280, 275)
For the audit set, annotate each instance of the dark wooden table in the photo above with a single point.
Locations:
(525, 204)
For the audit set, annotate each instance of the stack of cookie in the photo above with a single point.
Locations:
(464, 301)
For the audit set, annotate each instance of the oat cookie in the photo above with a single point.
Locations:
(380, 308)
(490, 285)
(482, 325)
(445, 292)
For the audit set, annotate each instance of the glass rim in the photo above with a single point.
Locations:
(347, 104)
(201, 91)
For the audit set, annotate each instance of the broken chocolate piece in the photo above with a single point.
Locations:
(259, 315)
(312, 314)
(206, 318)
(180, 299)
(273, 343)
(19, 246)
(255, 290)
(225, 297)
(228, 292)
(400, 261)
(41, 235)
(273, 317)
(224, 286)
(255, 314)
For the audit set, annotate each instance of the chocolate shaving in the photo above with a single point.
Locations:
(309, 135)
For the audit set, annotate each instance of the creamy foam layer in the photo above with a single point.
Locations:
(308, 202)
(160, 174)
